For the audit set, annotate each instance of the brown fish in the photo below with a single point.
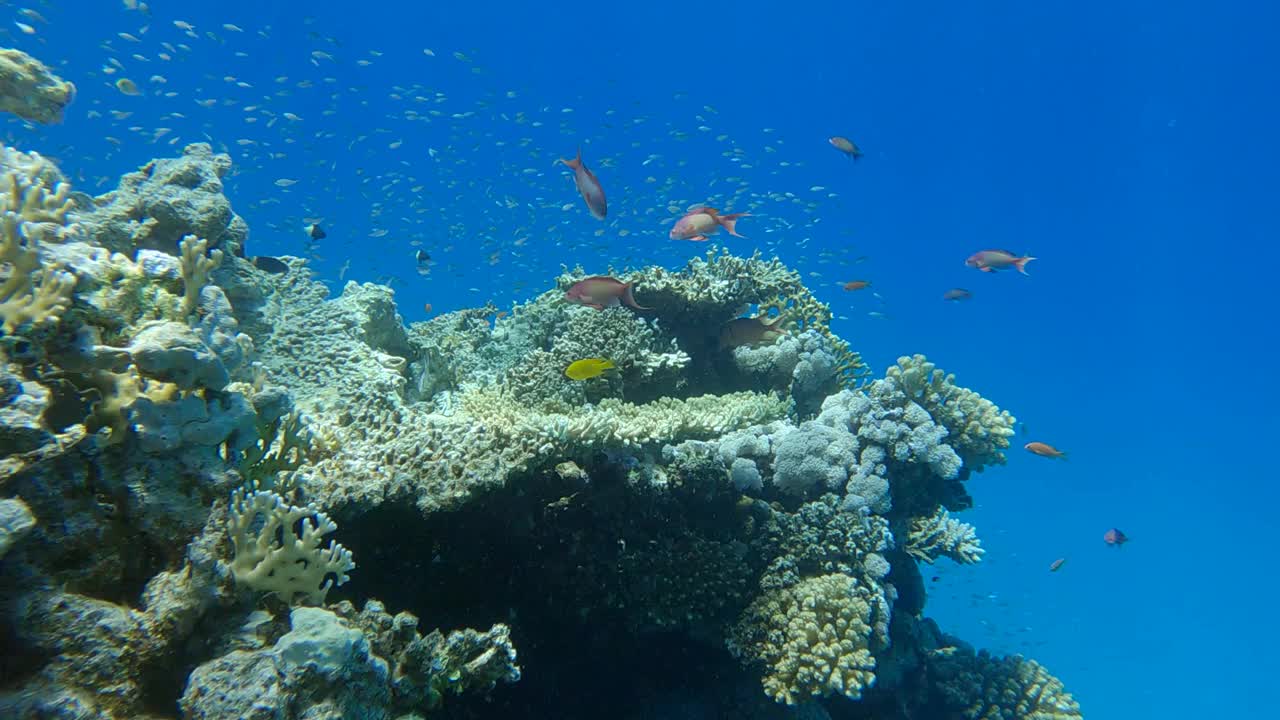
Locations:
(1044, 450)
(750, 331)
(589, 186)
(857, 285)
(602, 291)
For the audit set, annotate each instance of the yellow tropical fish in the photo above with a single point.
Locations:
(587, 368)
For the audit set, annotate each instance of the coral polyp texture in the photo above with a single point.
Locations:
(197, 452)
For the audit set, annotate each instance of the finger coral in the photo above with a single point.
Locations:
(814, 639)
(32, 293)
(983, 687)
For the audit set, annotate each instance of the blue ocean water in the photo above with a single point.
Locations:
(1131, 149)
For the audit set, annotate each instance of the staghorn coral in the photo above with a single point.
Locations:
(273, 555)
(814, 638)
(940, 535)
(983, 687)
(30, 90)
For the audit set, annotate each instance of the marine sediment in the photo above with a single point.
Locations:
(226, 494)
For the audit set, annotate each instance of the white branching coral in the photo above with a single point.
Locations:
(940, 535)
(277, 548)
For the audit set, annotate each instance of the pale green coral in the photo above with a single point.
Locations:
(815, 638)
(940, 535)
(977, 429)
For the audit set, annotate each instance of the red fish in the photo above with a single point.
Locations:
(1115, 537)
(600, 292)
(957, 294)
(700, 222)
(589, 186)
(857, 285)
(993, 260)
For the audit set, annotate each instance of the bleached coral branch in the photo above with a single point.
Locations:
(941, 535)
(277, 548)
(31, 293)
(196, 266)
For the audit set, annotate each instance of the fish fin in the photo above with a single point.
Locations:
(987, 268)
(698, 238)
(574, 163)
(728, 222)
(1021, 264)
(630, 299)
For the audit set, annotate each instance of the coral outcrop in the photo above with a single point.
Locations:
(195, 450)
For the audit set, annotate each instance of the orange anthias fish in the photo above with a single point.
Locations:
(846, 146)
(993, 260)
(857, 285)
(600, 292)
(1045, 450)
(750, 331)
(700, 222)
(589, 186)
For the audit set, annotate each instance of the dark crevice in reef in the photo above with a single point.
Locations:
(538, 559)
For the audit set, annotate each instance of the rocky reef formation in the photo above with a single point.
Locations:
(206, 468)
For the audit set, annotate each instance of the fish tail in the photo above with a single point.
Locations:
(1021, 264)
(630, 299)
(730, 221)
(574, 163)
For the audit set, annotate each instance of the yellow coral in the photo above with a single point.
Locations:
(196, 266)
(942, 535)
(32, 293)
(815, 638)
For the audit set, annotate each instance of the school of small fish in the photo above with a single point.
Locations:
(411, 167)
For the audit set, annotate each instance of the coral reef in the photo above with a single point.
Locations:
(30, 90)
(193, 451)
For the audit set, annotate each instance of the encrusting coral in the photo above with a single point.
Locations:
(30, 90)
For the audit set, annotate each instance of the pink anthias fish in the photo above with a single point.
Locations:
(602, 291)
(700, 222)
(589, 186)
(993, 260)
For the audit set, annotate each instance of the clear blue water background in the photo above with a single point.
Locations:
(1133, 149)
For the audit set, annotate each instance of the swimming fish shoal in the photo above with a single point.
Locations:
(587, 368)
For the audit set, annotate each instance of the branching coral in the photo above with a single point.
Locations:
(32, 292)
(978, 430)
(277, 548)
(814, 638)
(196, 266)
(940, 535)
